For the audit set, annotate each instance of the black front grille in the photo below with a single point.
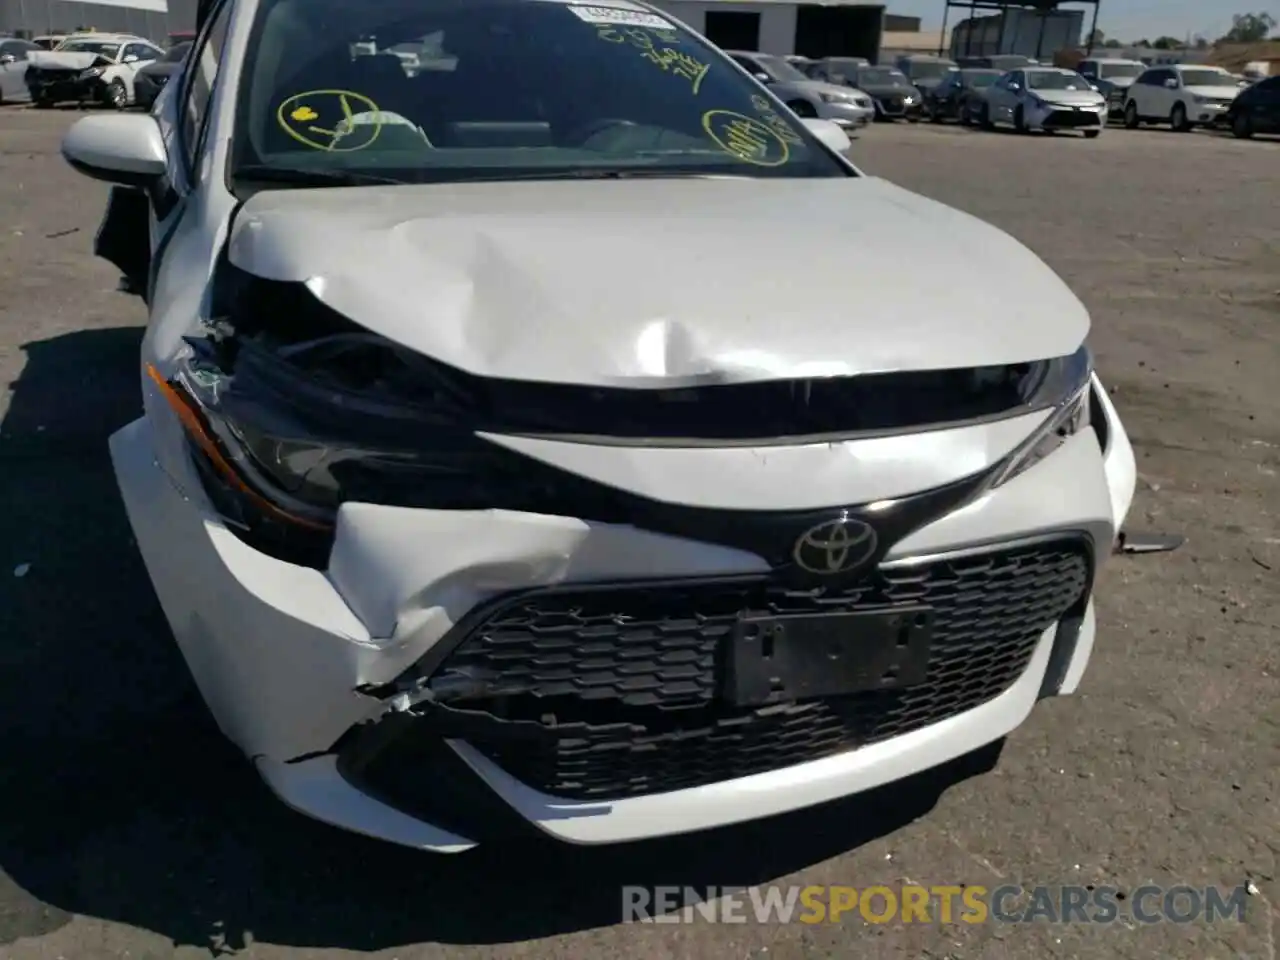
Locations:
(636, 668)
(1073, 118)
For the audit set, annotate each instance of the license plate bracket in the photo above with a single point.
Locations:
(773, 659)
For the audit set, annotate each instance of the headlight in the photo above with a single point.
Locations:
(1066, 384)
(863, 101)
(909, 99)
(91, 73)
(837, 98)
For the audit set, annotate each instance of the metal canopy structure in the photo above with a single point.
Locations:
(1002, 7)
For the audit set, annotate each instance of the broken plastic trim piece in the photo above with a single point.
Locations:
(1131, 543)
(195, 429)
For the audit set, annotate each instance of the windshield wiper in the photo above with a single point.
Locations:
(303, 177)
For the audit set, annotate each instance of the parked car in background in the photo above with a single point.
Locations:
(49, 41)
(1046, 98)
(1113, 77)
(826, 68)
(13, 68)
(1180, 95)
(151, 79)
(925, 71)
(1256, 110)
(851, 109)
(90, 68)
(961, 96)
(1003, 62)
(890, 91)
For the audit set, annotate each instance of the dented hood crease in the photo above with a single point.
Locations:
(661, 282)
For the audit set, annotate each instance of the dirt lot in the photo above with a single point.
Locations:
(128, 828)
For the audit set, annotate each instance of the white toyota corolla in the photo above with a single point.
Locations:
(526, 439)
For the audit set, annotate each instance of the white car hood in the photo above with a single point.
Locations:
(1071, 98)
(1215, 93)
(650, 282)
(67, 60)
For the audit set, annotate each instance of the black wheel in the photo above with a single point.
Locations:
(803, 108)
(966, 119)
(116, 96)
(1131, 118)
(1020, 121)
(1241, 126)
(1092, 134)
(43, 104)
(984, 118)
(931, 110)
(1178, 118)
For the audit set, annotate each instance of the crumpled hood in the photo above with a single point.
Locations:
(665, 281)
(68, 60)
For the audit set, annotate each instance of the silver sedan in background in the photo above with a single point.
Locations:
(1046, 98)
(850, 108)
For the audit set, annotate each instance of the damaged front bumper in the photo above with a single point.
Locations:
(326, 677)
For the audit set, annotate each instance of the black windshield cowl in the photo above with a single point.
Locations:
(303, 177)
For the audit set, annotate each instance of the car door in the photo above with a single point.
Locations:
(1165, 92)
(13, 69)
(1003, 99)
(1261, 104)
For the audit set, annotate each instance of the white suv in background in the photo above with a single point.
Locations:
(1181, 95)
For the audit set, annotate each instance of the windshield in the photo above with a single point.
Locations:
(177, 54)
(779, 69)
(929, 69)
(882, 77)
(1056, 80)
(1208, 78)
(1113, 71)
(108, 50)
(502, 89)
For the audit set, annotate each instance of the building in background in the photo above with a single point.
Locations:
(1019, 30)
(154, 19)
(841, 28)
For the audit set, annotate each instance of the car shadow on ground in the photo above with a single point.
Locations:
(120, 800)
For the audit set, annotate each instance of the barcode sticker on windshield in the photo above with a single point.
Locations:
(617, 15)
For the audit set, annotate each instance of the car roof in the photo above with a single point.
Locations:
(107, 37)
(1192, 66)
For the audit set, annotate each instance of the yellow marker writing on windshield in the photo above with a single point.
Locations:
(748, 139)
(343, 135)
(668, 59)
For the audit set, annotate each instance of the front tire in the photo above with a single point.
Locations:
(116, 96)
(1131, 118)
(1241, 127)
(1092, 134)
(1178, 118)
(966, 118)
(1020, 121)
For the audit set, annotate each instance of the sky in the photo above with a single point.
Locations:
(1127, 19)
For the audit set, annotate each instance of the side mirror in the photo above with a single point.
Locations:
(763, 77)
(829, 133)
(131, 58)
(1171, 84)
(1015, 86)
(123, 148)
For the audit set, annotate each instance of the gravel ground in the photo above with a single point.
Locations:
(129, 828)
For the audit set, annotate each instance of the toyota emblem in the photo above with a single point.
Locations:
(836, 546)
